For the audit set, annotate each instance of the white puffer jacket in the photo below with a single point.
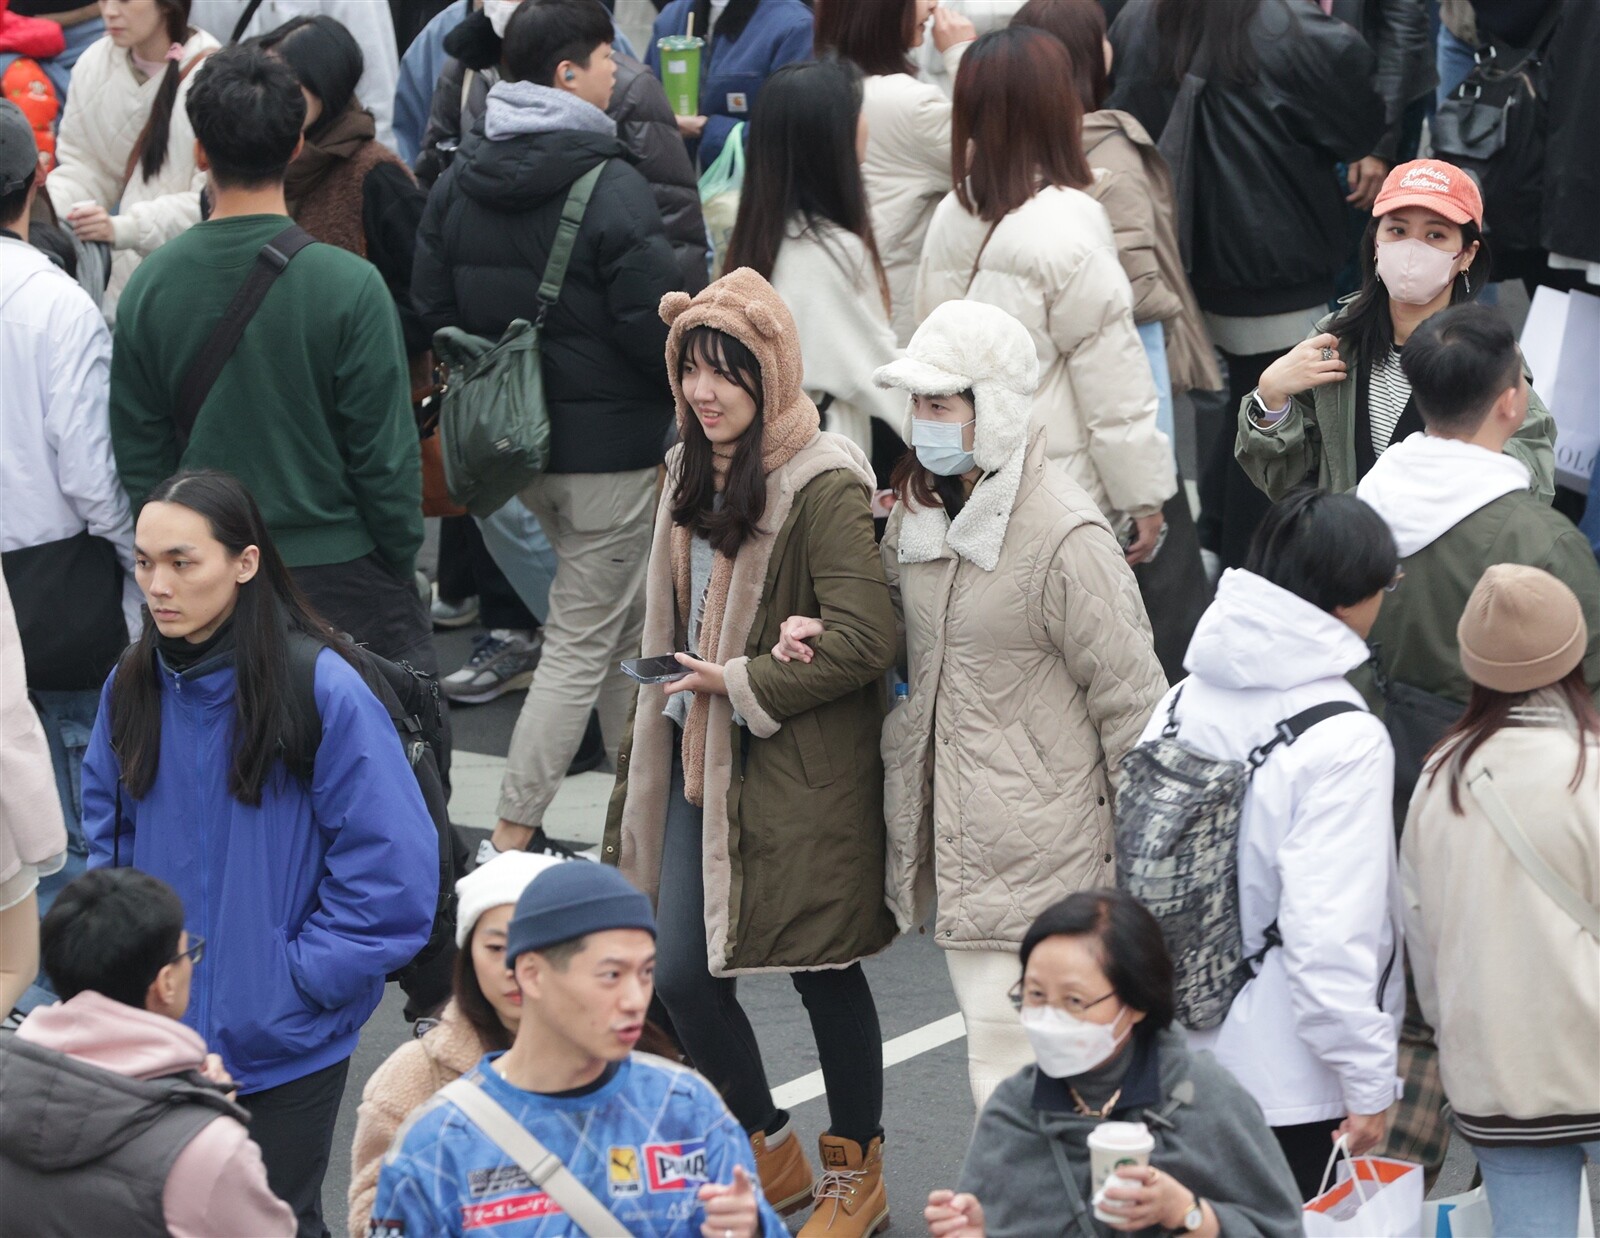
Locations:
(106, 111)
(1052, 265)
(1307, 1037)
(826, 279)
(907, 172)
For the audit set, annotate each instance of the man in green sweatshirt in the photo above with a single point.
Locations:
(312, 410)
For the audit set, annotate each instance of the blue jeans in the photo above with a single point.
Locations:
(522, 551)
(68, 719)
(1533, 1192)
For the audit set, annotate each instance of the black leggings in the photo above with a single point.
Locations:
(712, 1026)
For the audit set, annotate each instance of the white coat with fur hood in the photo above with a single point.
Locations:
(1052, 265)
(1314, 1036)
(1031, 664)
(106, 111)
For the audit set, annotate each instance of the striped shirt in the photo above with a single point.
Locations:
(1388, 390)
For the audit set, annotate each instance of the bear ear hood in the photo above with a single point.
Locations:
(748, 308)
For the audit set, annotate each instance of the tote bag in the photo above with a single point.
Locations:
(1375, 1198)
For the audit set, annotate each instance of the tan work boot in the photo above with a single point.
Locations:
(786, 1177)
(851, 1201)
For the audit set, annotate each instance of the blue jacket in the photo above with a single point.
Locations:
(307, 901)
(781, 32)
(421, 66)
(643, 1143)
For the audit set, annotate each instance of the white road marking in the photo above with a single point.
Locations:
(900, 1049)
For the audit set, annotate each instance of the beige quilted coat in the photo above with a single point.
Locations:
(1028, 684)
(1052, 265)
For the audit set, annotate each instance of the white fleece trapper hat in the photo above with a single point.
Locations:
(501, 881)
(966, 345)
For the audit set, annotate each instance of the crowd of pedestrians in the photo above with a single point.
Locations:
(1255, 814)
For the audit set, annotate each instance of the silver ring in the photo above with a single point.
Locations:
(1327, 354)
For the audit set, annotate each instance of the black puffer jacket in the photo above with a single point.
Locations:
(644, 123)
(1269, 214)
(1572, 157)
(481, 253)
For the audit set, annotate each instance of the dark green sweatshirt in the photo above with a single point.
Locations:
(312, 411)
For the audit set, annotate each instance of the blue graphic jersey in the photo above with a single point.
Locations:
(643, 1144)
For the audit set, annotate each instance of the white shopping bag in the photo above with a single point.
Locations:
(1468, 1216)
(1375, 1198)
(1561, 343)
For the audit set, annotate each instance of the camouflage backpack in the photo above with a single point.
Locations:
(1177, 819)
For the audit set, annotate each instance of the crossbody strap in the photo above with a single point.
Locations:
(572, 211)
(208, 364)
(1511, 833)
(543, 1167)
(245, 18)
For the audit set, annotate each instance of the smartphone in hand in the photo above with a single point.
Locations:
(664, 669)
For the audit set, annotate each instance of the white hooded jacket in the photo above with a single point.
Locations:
(1307, 1037)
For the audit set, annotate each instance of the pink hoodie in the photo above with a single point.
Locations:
(217, 1188)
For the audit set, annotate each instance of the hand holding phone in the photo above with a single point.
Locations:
(664, 669)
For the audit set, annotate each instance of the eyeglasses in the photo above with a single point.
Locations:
(195, 952)
(1072, 1005)
(1399, 575)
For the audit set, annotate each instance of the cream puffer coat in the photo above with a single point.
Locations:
(1052, 265)
(106, 111)
(1028, 685)
(1508, 980)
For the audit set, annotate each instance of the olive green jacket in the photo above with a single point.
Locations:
(1318, 435)
(1415, 635)
(794, 834)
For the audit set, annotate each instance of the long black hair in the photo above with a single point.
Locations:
(267, 726)
(801, 160)
(1364, 327)
(159, 127)
(1189, 30)
(744, 491)
(325, 58)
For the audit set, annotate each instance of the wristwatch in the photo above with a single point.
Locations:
(1192, 1219)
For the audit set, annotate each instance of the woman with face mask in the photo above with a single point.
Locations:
(1096, 1000)
(1031, 667)
(1338, 400)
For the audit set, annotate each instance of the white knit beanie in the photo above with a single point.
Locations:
(499, 882)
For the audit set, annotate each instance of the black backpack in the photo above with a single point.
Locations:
(413, 701)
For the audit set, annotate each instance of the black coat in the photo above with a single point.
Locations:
(481, 253)
(1572, 156)
(1268, 209)
(644, 123)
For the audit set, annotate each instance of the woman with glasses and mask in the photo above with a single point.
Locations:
(1096, 999)
(1031, 669)
(1314, 1035)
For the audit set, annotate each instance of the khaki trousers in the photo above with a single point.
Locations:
(599, 525)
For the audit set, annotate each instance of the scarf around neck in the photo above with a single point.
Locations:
(343, 137)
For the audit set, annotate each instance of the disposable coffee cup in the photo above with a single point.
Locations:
(680, 72)
(1111, 1146)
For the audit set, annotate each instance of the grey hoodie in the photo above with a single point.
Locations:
(515, 108)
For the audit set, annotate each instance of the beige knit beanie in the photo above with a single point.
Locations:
(1522, 629)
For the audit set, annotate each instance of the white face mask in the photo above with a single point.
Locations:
(1413, 271)
(499, 14)
(1064, 1045)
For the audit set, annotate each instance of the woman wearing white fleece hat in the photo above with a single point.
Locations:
(1031, 669)
(481, 1018)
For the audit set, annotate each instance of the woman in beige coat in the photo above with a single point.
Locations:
(1500, 865)
(1020, 233)
(33, 837)
(1031, 670)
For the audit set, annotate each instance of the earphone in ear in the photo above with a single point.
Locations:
(571, 76)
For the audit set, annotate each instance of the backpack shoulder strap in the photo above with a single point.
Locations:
(208, 364)
(243, 24)
(1291, 729)
(303, 654)
(1505, 823)
(542, 1166)
(572, 212)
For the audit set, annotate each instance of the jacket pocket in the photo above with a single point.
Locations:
(814, 759)
(1032, 759)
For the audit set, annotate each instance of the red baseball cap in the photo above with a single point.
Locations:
(1432, 183)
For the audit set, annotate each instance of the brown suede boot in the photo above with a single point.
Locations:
(786, 1178)
(851, 1201)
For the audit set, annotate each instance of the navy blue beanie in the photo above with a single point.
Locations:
(571, 900)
